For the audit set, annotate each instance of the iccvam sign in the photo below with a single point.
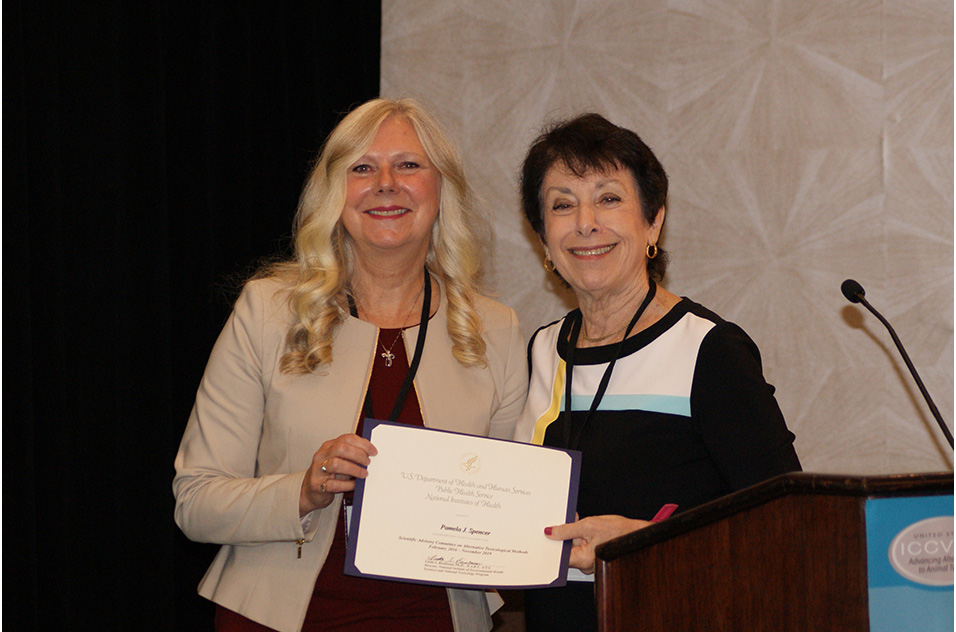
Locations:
(923, 552)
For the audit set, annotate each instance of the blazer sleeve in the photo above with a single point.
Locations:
(514, 383)
(736, 412)
(219, 495)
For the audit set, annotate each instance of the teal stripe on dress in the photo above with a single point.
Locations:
(667, 404)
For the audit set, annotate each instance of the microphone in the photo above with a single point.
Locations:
(854, 293)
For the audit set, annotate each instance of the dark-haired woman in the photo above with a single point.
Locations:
(666, 400)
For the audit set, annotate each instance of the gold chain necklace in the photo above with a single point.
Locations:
(387, 353)
(611, 335)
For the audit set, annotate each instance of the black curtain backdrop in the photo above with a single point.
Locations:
(153, 152)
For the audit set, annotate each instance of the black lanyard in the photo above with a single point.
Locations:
(605, 379)
(416, 359)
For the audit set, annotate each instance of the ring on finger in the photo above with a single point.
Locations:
(322, 488)
(324, 463)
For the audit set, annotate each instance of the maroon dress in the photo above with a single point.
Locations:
(342, 603)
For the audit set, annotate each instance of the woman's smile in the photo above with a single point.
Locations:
(388, 211)
(591, 252)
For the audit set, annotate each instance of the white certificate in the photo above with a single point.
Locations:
(458, 510)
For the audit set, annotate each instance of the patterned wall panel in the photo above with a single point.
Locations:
(807, 141)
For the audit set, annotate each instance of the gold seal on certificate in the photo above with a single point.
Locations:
(457, 510)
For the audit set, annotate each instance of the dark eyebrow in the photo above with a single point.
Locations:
(564, 190)
(601, 183)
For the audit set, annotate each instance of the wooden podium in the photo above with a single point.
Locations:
(788, 554)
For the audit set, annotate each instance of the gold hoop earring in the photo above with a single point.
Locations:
(548, 264)
(651, 251)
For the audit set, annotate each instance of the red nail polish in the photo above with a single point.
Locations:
(547, 530)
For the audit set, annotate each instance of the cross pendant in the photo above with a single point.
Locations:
(389, 356)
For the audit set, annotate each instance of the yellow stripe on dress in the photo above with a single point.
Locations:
(541, 426)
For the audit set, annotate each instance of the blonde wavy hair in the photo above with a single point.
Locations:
(318, 274)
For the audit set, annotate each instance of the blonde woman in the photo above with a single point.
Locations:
(377, 315)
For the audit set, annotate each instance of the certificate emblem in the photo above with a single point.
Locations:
(469, 463)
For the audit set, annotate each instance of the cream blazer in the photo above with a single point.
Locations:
(253, 430)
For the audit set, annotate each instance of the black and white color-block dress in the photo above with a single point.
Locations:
(686, 417)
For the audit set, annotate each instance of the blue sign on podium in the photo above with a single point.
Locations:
(909, 543)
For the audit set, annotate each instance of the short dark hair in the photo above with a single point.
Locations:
(590, 143)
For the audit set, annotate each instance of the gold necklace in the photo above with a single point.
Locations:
(610, 335)
(387, 353)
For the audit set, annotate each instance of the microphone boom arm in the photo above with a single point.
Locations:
(899, 345)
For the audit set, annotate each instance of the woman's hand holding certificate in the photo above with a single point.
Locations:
(444, 508)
